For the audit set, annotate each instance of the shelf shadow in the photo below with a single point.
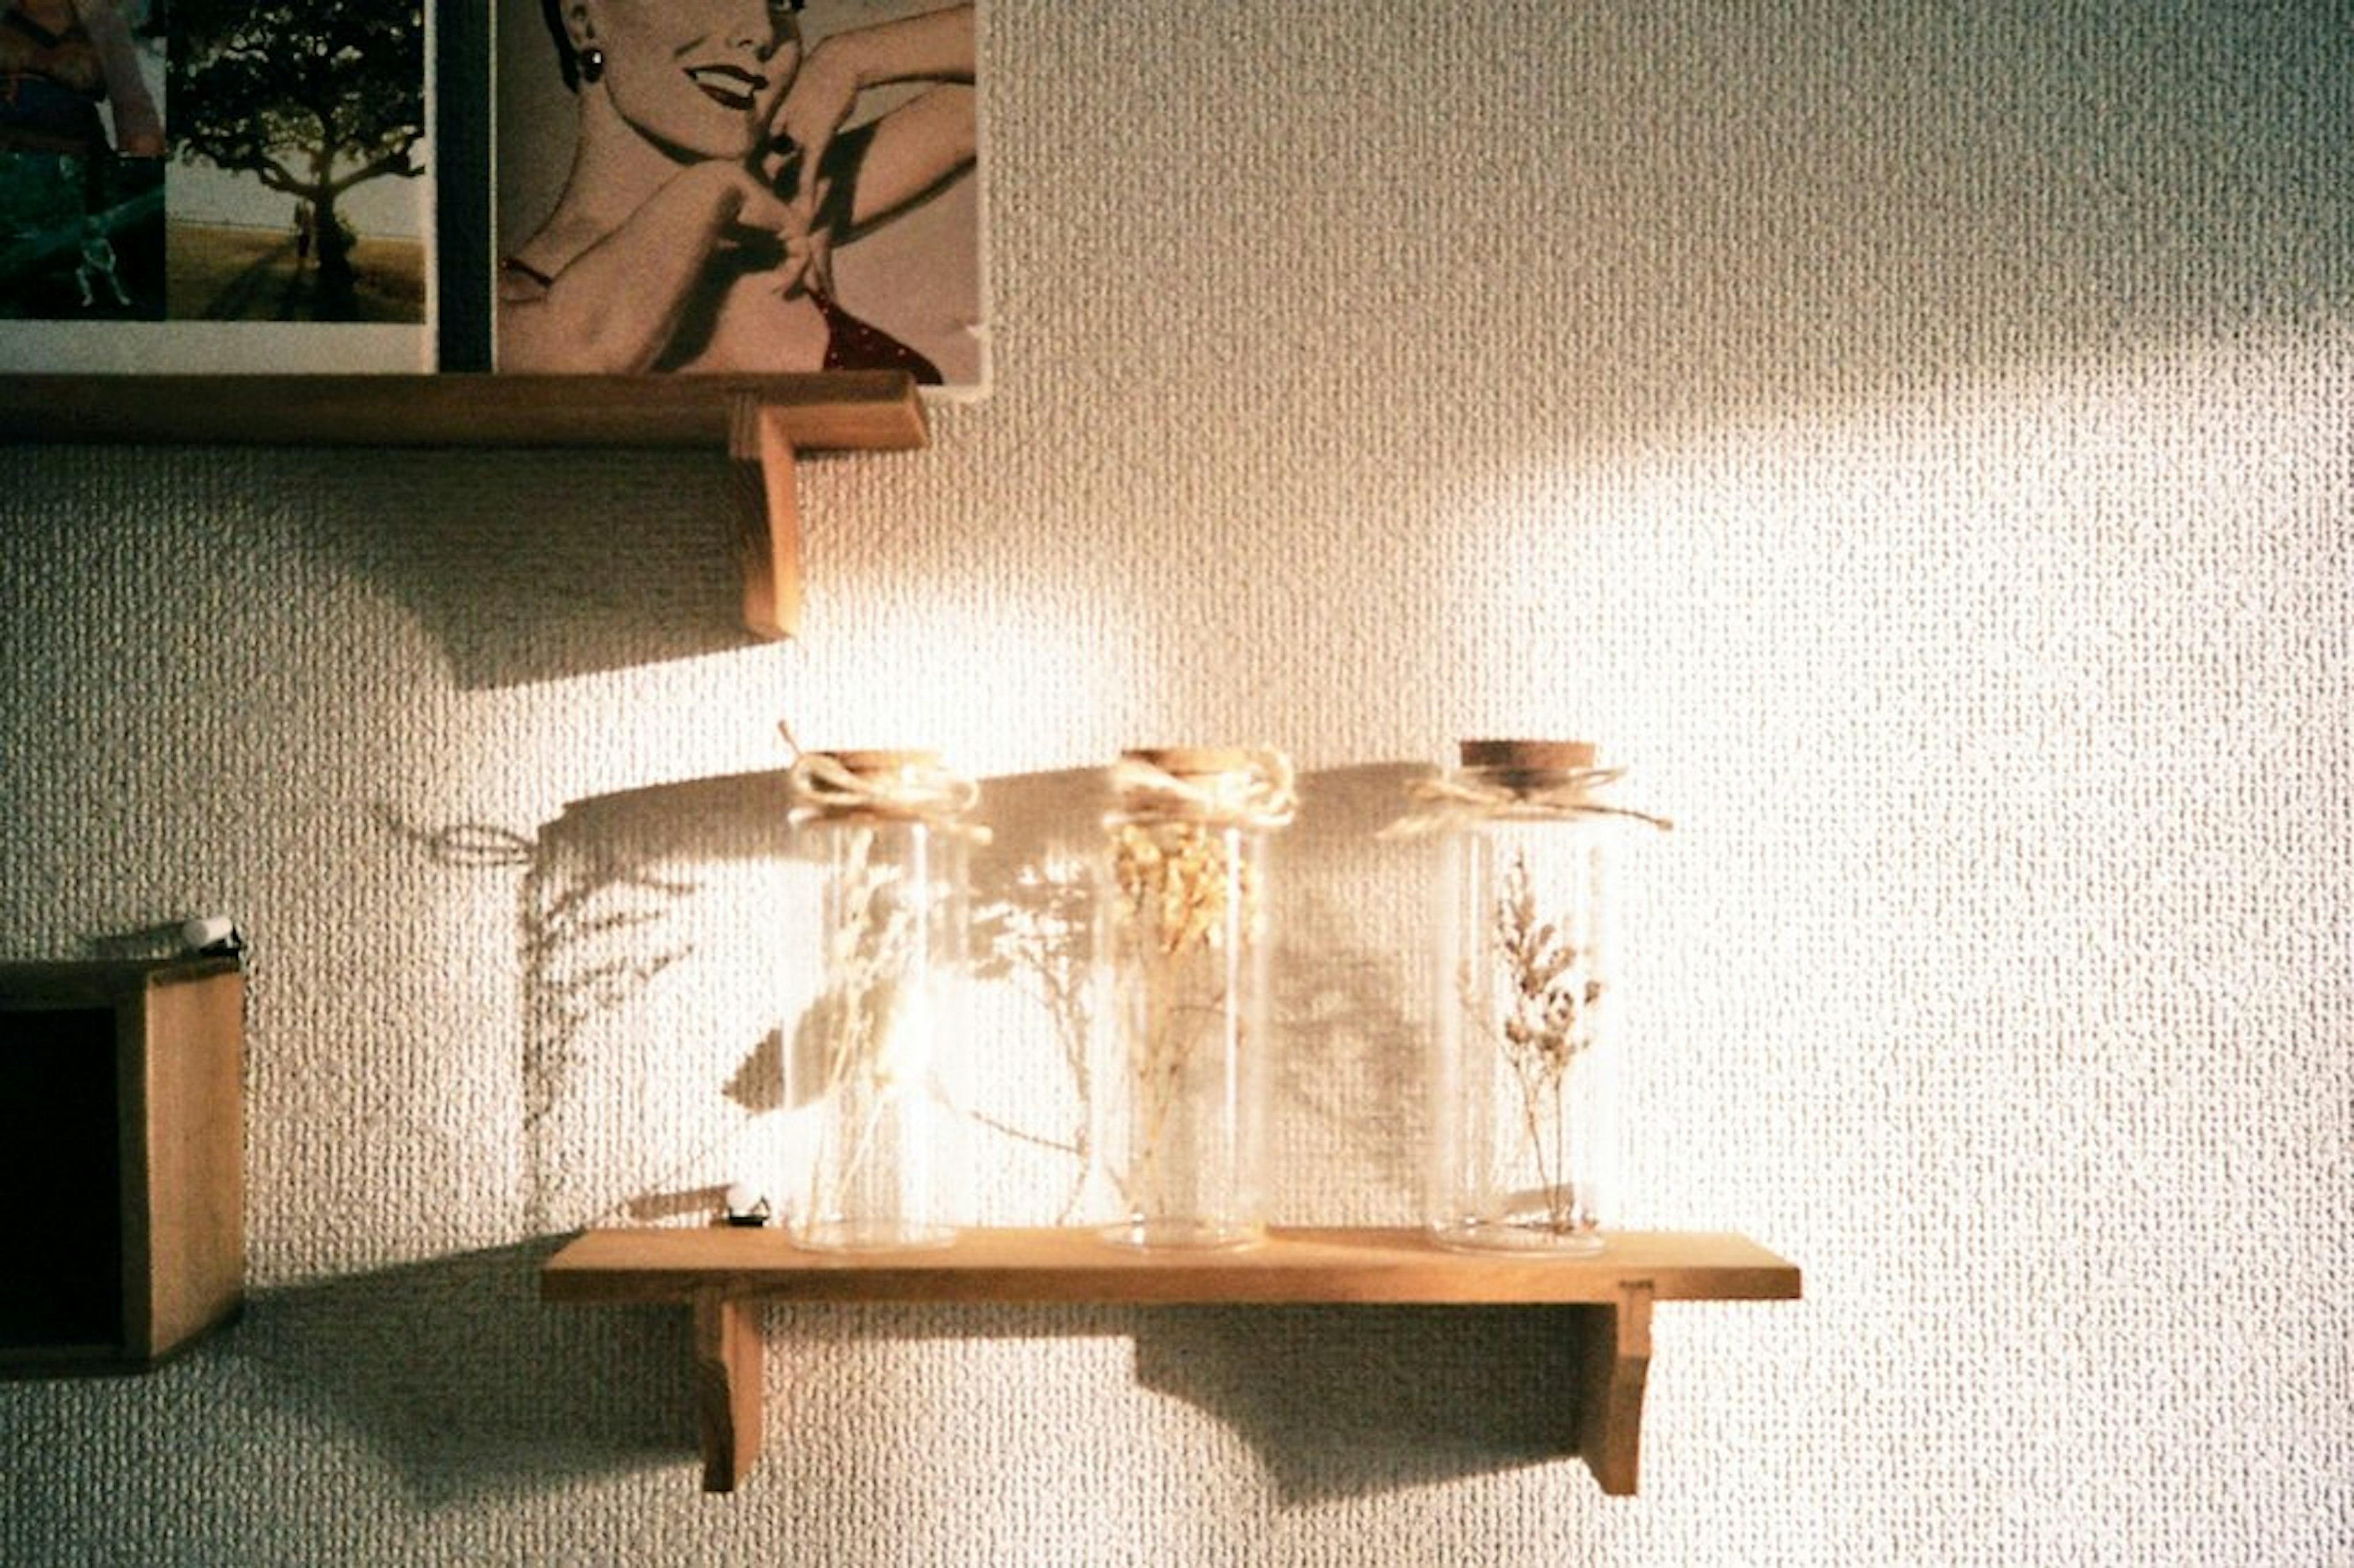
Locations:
(465, 1383)
(1347, 1400)
(1336, 1401)
(525, 567)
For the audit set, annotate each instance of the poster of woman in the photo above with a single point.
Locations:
(747, 185)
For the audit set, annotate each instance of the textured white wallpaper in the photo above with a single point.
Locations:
(1921, 444)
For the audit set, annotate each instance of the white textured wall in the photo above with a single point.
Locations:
(1920, 444)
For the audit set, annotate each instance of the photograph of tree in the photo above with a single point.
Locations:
(215, 184)
(295, 108)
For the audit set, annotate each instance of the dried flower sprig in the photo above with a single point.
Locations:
(1037, 938)
(1175, 880)
(1547, 1024)
(1185, 902)
(869, 951)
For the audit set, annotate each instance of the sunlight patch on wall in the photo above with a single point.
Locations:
(1943, 690)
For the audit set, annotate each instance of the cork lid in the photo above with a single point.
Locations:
(868, 762)
(1196, 761)
(1527, 756)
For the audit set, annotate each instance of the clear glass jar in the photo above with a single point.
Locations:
(877, 1066)
(1181, 1095)
(1524, 1068)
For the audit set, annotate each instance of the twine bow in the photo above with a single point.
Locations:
(1258, 797)
(1448, 801)
(822, 786)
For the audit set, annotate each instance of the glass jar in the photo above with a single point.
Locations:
(1181, 1097)
(876, 1067)
(1524, 1066)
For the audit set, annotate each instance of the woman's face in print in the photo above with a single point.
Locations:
(699, 78)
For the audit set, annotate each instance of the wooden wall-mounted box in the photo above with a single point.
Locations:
(121, 1160)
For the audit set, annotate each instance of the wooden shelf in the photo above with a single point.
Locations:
(762, 422)
(121, 1160)
(721, 1275)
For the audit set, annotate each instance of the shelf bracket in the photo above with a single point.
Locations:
(1615, 1358)
(767, 515)
(727, 1385)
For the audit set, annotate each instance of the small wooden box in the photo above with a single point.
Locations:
(121, 1160)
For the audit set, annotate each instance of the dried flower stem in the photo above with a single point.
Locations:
(868, 951)
(1547, 1025)
(1185, 906)
(1038, 937)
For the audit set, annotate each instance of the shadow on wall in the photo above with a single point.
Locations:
(615, 558)
(465, 1384)
(642, 1054)
(1347, 1011)
(1729, 215)
(1348, 1401)
(469, 1389)
(1335, 1401)
(667, 968)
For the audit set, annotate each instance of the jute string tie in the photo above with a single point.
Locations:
(1452, 800)
(1260, 796)
(823, 787)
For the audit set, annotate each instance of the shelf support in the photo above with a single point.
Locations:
(1616, 1358)
(728, 1386)
(767, 515)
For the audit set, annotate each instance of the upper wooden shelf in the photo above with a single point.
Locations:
(721, 1273)
(761, 421)
(849, 410)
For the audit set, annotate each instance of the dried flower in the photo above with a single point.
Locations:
(1037, 940)
(869, 1019)
(1186, 905)
(1548, 1023)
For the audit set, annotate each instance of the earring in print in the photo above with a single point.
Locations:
(592, 63)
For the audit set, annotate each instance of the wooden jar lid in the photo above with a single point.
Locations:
(1528, 755)
(872, 762)
(1196, 761)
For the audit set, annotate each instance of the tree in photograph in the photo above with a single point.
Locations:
(310, 96)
